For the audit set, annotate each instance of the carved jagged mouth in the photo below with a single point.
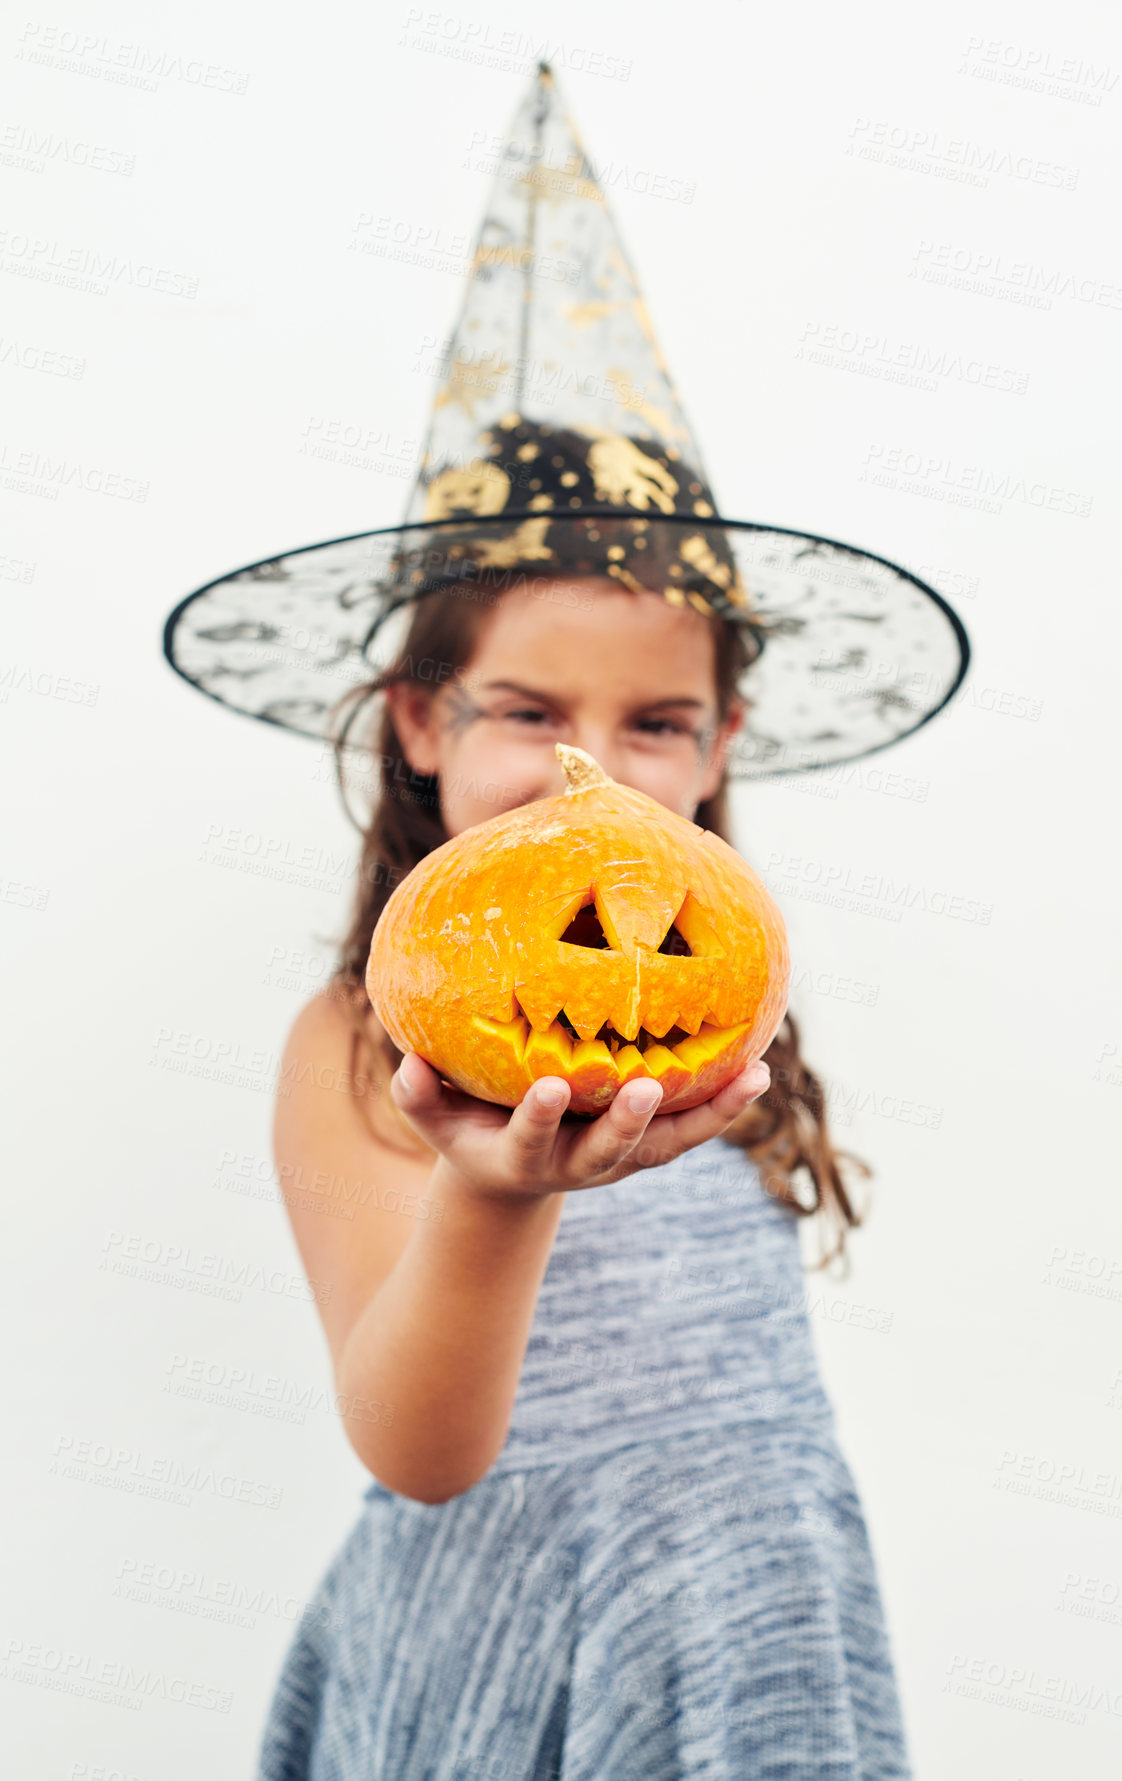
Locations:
(614, 1040)
(562, 1041)
(609, 1058)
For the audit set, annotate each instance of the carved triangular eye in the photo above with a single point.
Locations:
(585, 929)
(676, 943)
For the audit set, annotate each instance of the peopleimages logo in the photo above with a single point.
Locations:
(879, 356)
(952, 157)
(46, 359)
(29, 471)
(569, 175)
(113, 1681)
(1035, 60)
(1035, 69)
(966, 485)
(823, 880)
(430, 246)
(86, 268)
(511, 50)
(988, 274)
(28, 150)
(125, 64)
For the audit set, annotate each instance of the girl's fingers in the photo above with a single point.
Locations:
(532, 1132)
(481, 1138)
(522, 1146)
(681, 1131)
(416, 1087)
(430, 1105)
(413, 1081)
(615, 1134)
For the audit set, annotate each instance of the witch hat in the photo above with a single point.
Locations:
(558, 445)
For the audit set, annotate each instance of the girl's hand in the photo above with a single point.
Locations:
(526, 1152)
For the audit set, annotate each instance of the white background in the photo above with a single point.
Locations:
(981, 1074)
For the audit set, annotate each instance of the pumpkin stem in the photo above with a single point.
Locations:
(581, 771)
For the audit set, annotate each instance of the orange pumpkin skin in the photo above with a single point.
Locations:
(468, 967)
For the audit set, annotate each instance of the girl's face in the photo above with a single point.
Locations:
(625, 676)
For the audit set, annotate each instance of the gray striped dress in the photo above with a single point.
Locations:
(666, 1574)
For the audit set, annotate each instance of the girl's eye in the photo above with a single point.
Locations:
(532, 714)
(657, 726)
(663, 724)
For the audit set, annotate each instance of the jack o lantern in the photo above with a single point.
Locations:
(595, 936)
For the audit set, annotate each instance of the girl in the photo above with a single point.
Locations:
(609, 1534)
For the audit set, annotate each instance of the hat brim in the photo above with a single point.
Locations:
(858, 652)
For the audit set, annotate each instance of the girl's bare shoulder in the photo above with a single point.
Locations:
(337, 1041)
(336, 1016)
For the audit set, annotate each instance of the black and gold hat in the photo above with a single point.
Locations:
(559, 500)
(558, 447)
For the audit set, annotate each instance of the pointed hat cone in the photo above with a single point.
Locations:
(553, 325)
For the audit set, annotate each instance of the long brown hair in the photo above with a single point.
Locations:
(785, 1132)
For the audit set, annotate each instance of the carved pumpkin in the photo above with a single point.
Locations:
(596, 936)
